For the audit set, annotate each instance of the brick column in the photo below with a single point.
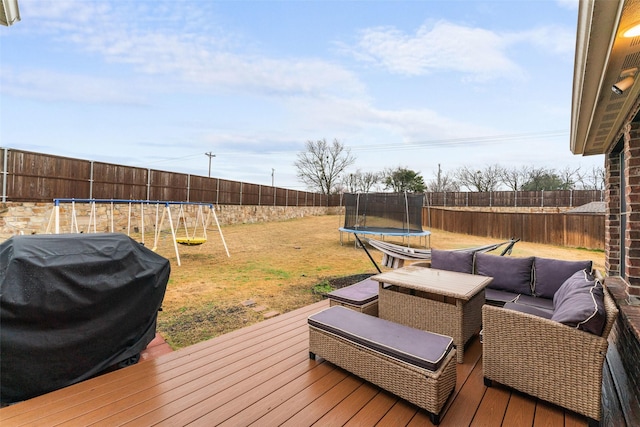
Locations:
(612, 219)
(632, 196)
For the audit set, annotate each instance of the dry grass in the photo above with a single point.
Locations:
(277, 265)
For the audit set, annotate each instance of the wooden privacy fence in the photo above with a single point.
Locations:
(573, 230)
(35, 177)
(529, 199)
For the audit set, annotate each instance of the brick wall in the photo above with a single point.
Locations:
(632, 197)
(612, 217)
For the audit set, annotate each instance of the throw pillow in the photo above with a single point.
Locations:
(460, 261)
(509, 273)
(579, 303)
(550, 274)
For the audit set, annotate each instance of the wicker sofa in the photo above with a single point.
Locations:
(556, 362)
(545, 327)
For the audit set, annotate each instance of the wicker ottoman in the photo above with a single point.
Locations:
(415, 365)
(361, 296)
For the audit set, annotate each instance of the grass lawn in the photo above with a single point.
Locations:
(278, 265)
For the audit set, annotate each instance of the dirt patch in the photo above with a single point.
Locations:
(341, 282)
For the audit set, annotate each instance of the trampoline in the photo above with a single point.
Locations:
(384, 214)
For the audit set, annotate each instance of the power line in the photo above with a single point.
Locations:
(399, 146)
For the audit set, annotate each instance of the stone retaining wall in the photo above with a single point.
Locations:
(38, 218)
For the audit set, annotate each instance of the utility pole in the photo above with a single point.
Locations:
(272, 176)
(210, 155)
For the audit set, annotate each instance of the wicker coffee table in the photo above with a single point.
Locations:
(440, 301)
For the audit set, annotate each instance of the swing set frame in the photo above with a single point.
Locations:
(190, 237)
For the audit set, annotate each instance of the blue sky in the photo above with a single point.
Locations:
(156, 84)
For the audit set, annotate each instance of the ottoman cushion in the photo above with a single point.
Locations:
(360, 293)
(426, 350)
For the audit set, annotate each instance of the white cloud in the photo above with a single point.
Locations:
(477, 53)
(552, 39)
(172, 50)
(568, 4)
(445, 46)
(378, 125)
(52, 86)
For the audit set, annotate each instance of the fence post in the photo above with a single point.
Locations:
(241, 186)
(188, 186)
(148, 182)
(259, 193)
(571, 198)
(4, 175)
(542, 198)
(91, 180)
(515, 199)
(217, 191)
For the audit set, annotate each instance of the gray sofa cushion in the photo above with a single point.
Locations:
(544, 303)
(358, 294)
(550, 274)
(509, 273)
(579, 303)
(529, 309)
(414, 346)
(498, 297)
(460, 261)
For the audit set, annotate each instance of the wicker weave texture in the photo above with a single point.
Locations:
(426, 389)
(459, 321)
(371, 308)
(546, 359)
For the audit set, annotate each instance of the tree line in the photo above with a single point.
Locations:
(324, 168)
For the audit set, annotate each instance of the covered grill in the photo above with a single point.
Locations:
(73, 305)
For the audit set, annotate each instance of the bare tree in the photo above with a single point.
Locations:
(360, 182)
(569, 177)
(515, 177)
(593, 179)
(349, 182)
(487, 179)
(442, 182)
(321, 165)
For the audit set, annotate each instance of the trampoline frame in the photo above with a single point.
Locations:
(377, 231)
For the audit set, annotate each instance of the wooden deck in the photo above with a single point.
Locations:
(262, 375)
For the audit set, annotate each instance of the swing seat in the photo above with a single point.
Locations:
(193, 241)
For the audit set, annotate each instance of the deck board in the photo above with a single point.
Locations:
(262, 375)
(520, 412)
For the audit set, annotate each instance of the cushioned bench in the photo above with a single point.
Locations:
(415, 365)
(361, 296)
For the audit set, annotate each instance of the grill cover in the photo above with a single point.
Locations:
(72, 305)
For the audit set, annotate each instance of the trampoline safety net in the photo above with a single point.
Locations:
(384, 212)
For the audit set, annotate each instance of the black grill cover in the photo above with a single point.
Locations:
(72, 305)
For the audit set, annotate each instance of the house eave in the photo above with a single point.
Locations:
(597, 113)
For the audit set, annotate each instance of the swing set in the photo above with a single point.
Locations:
(187, 231)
